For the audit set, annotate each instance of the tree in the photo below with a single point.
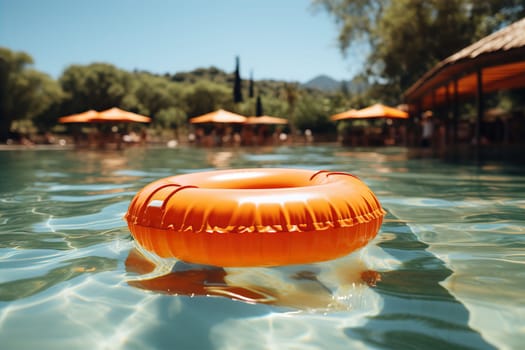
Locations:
(291, 94)
(274, 107)
(258, 107)
(237, 84)
(151, 94)
(401, 34)
(205, 97)
(171, 117)
(24, 92)
(251, 88)
(314, 114)
(343, 90)
(96, 86)
(46, 103)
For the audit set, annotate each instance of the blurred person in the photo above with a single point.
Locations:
(427, 127)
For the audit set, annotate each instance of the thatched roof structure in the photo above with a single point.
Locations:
(500, 57)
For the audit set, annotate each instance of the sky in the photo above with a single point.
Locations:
(274, 39)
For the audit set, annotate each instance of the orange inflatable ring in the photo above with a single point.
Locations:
(255, 217)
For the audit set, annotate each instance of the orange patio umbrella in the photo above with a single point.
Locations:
(379, 111)
(344, 115)
(219, 116)
(266, 119)
(114, 115)
(83, 117)
(117, 115)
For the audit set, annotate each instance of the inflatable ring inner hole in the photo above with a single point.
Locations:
(255, 180)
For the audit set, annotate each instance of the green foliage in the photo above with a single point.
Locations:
(273, 107)
(205, 97)
(211, 74)
(171, 118)
(24, 92)
(12, 68)
(46, 102)
(97, 86)
(405, 37)
(169, 99)
(313, 113)
(151, 94)
(408, 37)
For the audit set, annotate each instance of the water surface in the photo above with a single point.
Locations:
(445, 271)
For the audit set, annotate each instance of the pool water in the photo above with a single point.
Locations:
(446, 271)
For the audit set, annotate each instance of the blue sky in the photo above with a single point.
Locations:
(276, 39)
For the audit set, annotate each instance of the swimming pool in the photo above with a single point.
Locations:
(446, 270)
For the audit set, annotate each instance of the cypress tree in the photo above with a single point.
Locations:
(250, 91)
(258, 107)
(237, 85)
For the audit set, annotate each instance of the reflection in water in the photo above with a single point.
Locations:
(220, 159)
(23, 288)
(296, 287)
(100, 167)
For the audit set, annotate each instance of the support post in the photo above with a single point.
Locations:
(455, 111)
(479, 107)
(447, 119)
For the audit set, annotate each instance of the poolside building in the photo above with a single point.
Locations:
(493, 64)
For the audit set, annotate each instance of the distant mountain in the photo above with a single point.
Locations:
(327, 84)
(324, 83)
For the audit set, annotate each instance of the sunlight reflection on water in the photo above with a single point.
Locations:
(71, 277)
